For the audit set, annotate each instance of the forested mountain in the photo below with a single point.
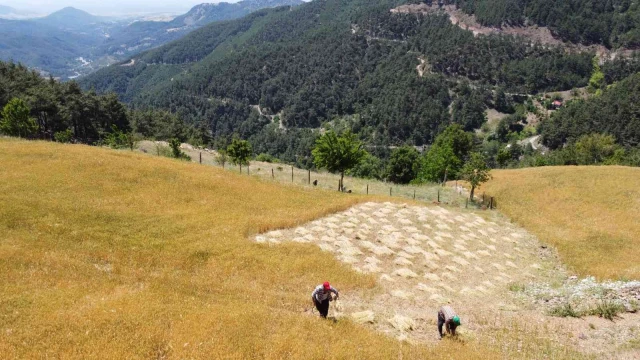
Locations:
(352, 63)
(613, 23)
(70, 18)
(43, 46)
(143, 35)
(70, 42)
(616, 112)
(61, 44)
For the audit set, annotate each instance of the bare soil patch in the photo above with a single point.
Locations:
(539, 34)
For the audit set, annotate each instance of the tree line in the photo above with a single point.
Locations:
(39, 108)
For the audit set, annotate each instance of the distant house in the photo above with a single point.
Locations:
(556, 104)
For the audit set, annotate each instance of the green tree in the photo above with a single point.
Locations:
(504, 156)
(596, 149)
(65, 136)
(118, 139)
(403, 165)
(597, 80)
(446, 155)
(175, 148)
(338, 154)
(500, 101)
(475, 171)
(370, 167)
(239, 152)
(16, 119)
(221, 158)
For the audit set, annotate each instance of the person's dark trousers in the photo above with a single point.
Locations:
(323, 307)
(440, 323)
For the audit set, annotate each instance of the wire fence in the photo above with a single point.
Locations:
(452, 194)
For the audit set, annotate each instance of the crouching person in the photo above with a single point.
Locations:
(321, 297)
(448, 317)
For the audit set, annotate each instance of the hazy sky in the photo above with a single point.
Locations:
(108, 7)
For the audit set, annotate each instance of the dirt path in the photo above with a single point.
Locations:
(425, 257)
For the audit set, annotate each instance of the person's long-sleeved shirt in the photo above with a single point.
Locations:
(447, 313)
(320, 295)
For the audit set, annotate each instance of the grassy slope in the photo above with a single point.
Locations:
(589, 213)
(118, 255)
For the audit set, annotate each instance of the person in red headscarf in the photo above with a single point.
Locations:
(321, 297)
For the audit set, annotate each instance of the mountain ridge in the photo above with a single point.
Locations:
(70, 42)
(146, 34)
(392, 78)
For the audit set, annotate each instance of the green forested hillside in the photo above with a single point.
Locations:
(353, 63)
(63, 112)
(57, 106)
(616, 112)
(613, 23)
(144, 35)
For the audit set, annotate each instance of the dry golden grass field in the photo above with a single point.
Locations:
(111, 254)
(590, 214)
(116, 254)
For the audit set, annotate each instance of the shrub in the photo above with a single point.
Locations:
(176, 152)
(221, 158)
(565, 310)
(64, 136)
(516, 287)
(607, 309)
(162, 150)
(118, 139)
(266, 158)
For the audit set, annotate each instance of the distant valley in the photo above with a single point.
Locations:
(71, 43)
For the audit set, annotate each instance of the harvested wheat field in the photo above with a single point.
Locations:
(108, 254)
(589, 213)
(499, 277)
(113, 254)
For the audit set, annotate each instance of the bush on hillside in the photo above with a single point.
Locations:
(403, 165)
(176, 152)
(65, 136)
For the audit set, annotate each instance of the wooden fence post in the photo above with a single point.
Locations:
(248, 166)
(438, 195)
(491, 203)
(272, 175)
(367, 189)
(390, 191)
(291, 173)
(200, 157)
(309, 180)
(414, 194)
